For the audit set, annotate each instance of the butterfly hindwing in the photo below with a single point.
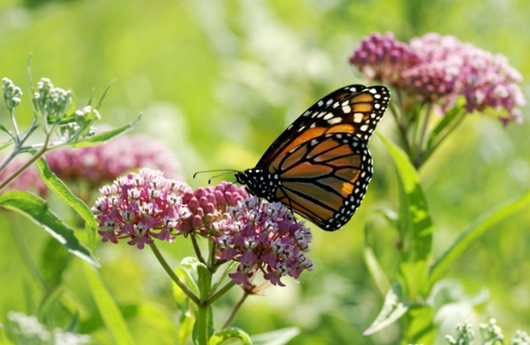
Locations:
(325, 179)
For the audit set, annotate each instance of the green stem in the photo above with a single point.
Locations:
(402, 129)
(423, 131)
(8, 159)
(219, 293)
(236, 309)
(24, 166)
(197, 249)
(425, 155)
(173, 276)
(202, 325)
(15, 126)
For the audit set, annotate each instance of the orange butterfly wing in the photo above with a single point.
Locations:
(325, 179)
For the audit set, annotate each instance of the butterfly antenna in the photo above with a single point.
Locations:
(215, 170)
(227, 172)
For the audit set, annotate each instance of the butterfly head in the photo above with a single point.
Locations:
(259, 183)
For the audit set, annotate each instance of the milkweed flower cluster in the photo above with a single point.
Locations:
(441, 68)
(265, 238)
(28, 180)
(261, 237)
(141, 207)
(208, 205)
(103, 163)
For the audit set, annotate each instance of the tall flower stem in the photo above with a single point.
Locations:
(202, 325)
(32, 160)
(173, 276)
(423, 131)
(401, 127)
(236, 309)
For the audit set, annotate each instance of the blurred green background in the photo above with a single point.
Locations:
(217, 81)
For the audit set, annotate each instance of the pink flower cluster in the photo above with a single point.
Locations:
(263, 237)
(104, 163)
(29, 180)
(441, 68)
(383, 58)
(141, 207)
(208, 205)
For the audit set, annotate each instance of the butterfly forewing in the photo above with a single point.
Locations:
(307, 118)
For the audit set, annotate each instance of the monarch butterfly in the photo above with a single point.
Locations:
(320, 165)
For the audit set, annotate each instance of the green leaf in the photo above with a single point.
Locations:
(200, 276)
(74, 324)
(393, 308)
(229, 333)
(103, 95)
(278, 337)
(54, 261)
(187, 321)
(180, 297)
(105, 136)
(415, 225)
(375, 269)
(57, 186)
(473, 232)
(6, 144)
(48, 302)
(418, 325)
(37, 210)
(108, 309)
(4, 129)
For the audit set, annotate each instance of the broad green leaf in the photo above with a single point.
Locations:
(375, 269)
(53, 262)
(418, 326)
(414, 223)
(279, 337)
(108, 309)
(393, 308)
(105, 136)
(473, 232)
(199, 274)
(187, 321)
(220, 337)
(37, 210)
(180, 297)
(57, 186)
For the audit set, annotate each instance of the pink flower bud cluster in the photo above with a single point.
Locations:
(103, 163)
(382, 58)
(29, 180)
(208, 205)
(486, 80)
(441, 68)
(141, 207)
(264, 238)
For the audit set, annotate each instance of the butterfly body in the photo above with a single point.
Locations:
(320, 166)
